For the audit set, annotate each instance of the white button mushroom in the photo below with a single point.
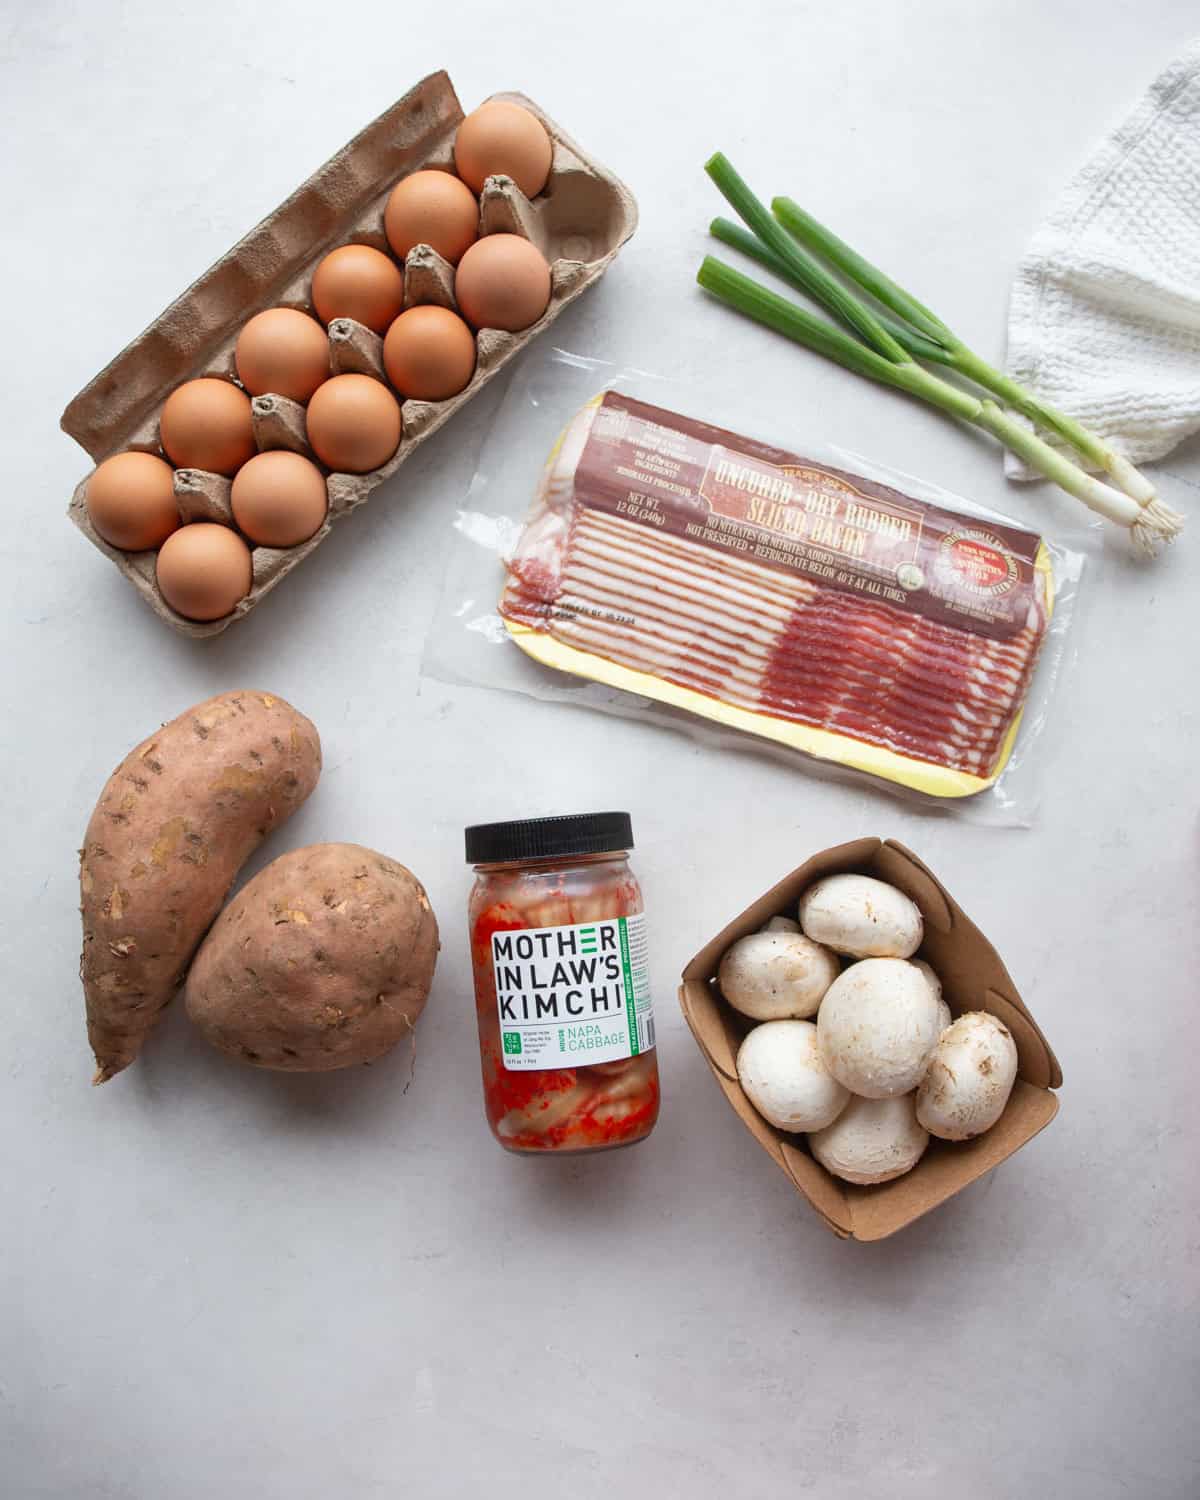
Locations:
(861, 916)
(780, 1068)
(945, 1015)
(773, 975)
(872, 1140)
(877, 1027)
(780, 924)
(969, 1078)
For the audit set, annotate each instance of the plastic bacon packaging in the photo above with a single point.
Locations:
(806, 605)
(815, 601)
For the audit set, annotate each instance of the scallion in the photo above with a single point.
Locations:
(886, 346)
(803, 227)
(758, 302)
(917, 344)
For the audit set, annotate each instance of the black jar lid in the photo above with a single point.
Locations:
(548, 838)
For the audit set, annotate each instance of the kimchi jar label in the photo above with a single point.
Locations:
(572, 996)
(709, 486)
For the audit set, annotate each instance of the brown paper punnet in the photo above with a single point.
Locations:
(973, 978)
(579, 223)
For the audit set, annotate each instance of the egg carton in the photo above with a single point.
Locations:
(973, 978)
(579, 222)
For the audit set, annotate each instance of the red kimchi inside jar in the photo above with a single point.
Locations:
(562, 997)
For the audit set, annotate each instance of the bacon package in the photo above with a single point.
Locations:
(809, 598)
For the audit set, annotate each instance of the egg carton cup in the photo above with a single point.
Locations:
(973, 978)
(579, 223)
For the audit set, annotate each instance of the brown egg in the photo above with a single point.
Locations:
(503, 137)
(429, 354)
(283, 352)
(203, 570)
(360, 283)
(279, 499)
(354, 423)
(431, 208)
(205, 424)
(131, 501)
(502, 282)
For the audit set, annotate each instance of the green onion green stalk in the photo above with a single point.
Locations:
(889, 335)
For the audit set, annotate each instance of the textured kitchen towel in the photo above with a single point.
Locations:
(1104, 321)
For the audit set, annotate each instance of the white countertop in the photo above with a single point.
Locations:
(220, 1282)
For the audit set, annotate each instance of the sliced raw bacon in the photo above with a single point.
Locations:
(656, 587)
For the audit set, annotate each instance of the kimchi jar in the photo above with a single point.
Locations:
(562, 992)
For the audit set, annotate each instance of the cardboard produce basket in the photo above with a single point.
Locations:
(973, 978)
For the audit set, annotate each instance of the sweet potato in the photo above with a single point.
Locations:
(177, 820)
(324, 959)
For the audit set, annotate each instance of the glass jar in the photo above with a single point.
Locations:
(562, 993)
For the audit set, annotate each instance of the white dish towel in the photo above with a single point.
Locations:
(1104, 320)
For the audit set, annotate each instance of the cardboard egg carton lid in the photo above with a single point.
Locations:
(973, 978)
(579, 222)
